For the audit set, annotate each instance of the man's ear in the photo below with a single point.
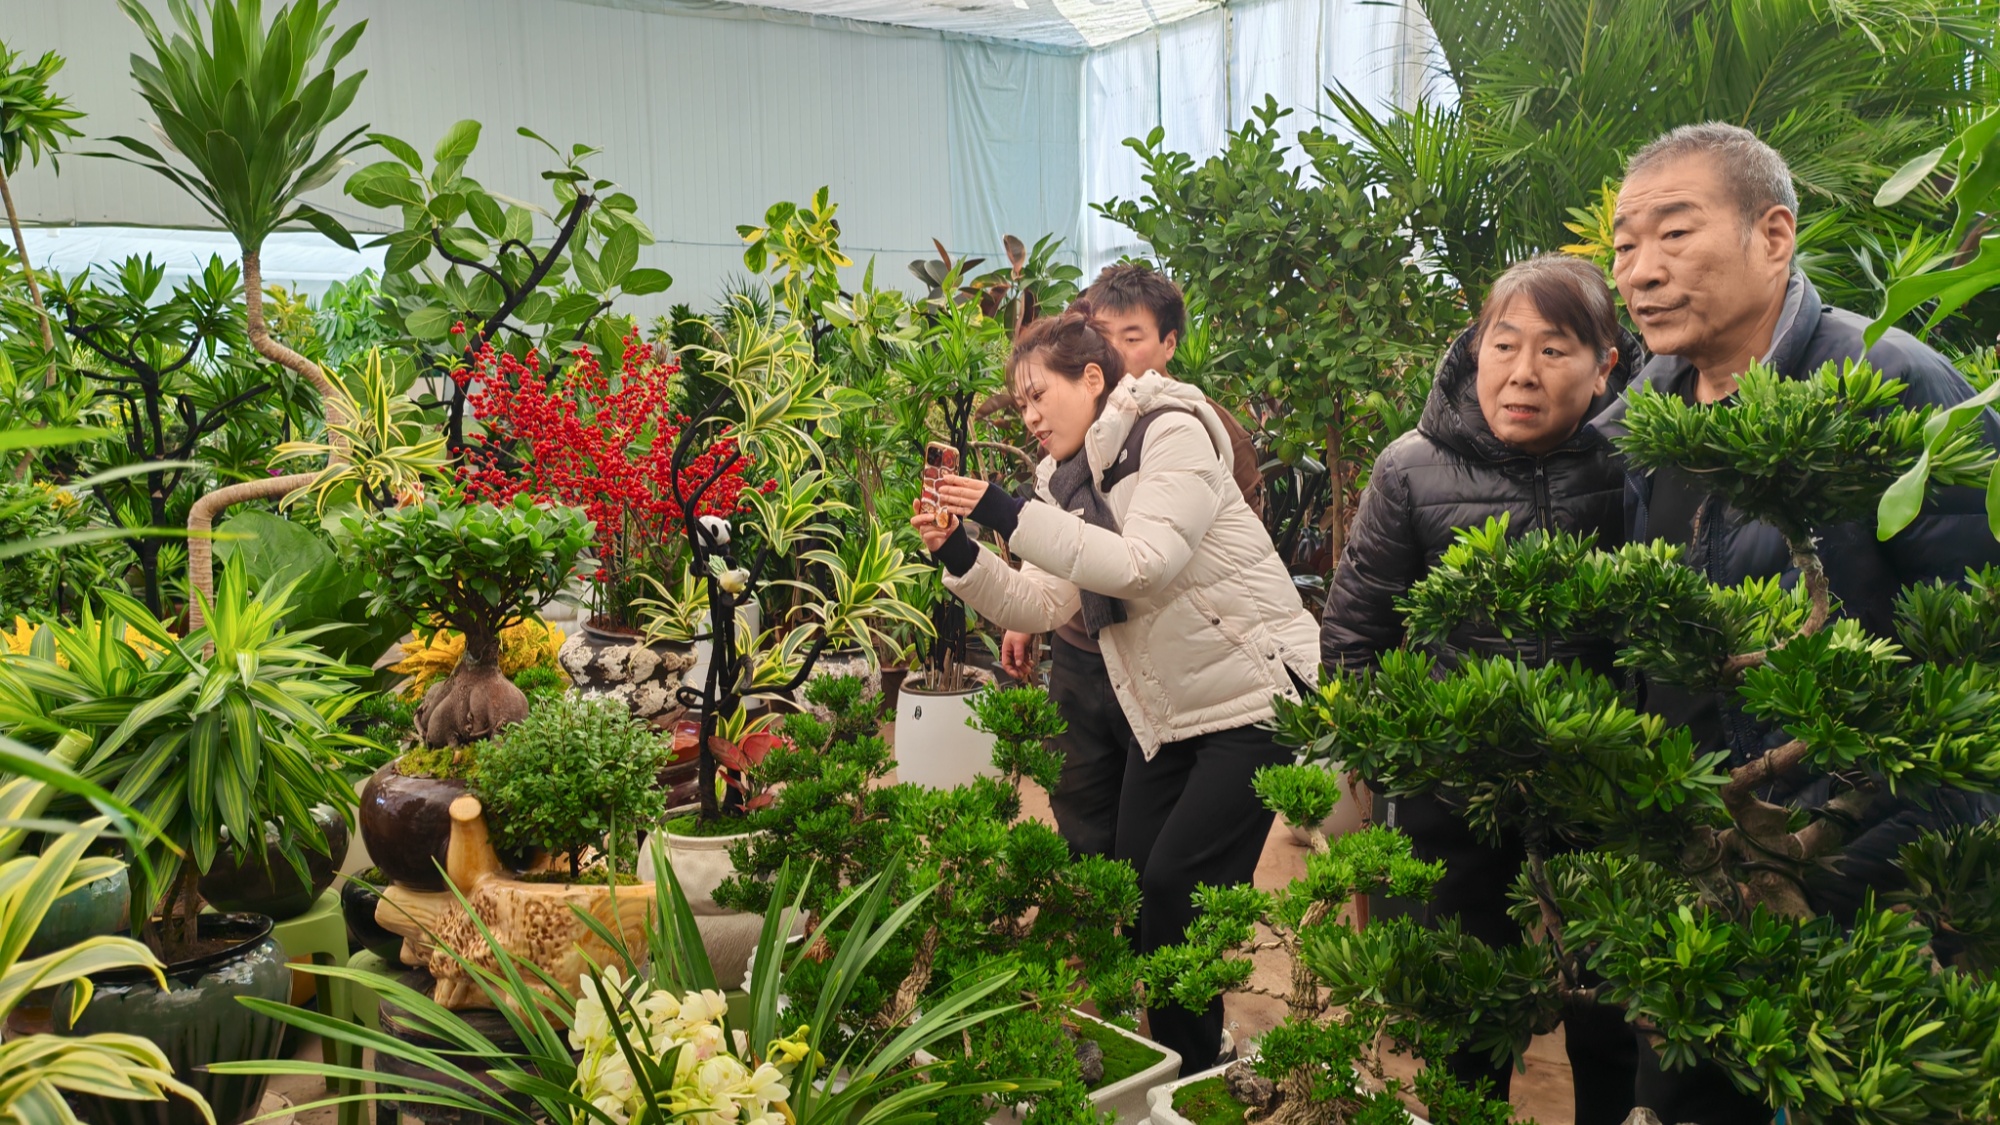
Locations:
(1173, 342)
(1776, 237)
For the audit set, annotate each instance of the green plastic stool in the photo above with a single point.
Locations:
(363, 1006)
(321, 934)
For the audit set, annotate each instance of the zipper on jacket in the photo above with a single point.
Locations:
(1545, 519)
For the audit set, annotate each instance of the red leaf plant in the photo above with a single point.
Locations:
(580, 437)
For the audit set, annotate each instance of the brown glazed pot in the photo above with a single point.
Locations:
(268, 885)
(406, 823)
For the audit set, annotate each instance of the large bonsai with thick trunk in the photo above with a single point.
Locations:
(476, 568)
(241, 105)
(1666, 880)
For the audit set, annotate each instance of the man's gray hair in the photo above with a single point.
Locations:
(1751, 170)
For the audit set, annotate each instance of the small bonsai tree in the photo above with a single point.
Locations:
(477, 568)
(1307, 1070)
(992, 886)
(1691, 898)
(575, 777)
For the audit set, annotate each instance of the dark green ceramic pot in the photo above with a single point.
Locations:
(268, 885)
(92, 910)
(197, 1022)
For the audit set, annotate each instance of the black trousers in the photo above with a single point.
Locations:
(1477, 878)
(1186, 818)
(1094, 749)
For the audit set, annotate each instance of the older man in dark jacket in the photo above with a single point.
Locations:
(1705, 231)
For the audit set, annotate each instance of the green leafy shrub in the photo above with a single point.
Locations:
(1021, 720)
(575, 776)
(52, 578)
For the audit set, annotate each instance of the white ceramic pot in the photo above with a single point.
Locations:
(936, 746)
(1160, 1099)
(1125, 1099)
(701, 863)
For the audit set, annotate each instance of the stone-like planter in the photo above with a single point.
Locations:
(621, 665)
(101, 906)
(936, 745)
(197, 1023)
(1160, 1099)
(270, 886)
(536, 923)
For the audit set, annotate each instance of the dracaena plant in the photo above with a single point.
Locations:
(242, 104)
(625, 1049)
(1683, 886)
(211, 736)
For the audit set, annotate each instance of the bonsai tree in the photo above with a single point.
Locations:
(576, 777)
(1691, 897)
(1004, 888)
(1307, 1070)
(476, 568)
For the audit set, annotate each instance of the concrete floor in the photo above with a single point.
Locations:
(1541, 1093)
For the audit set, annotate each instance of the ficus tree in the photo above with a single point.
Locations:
(1677, 878)
(1304, 268)
(242, 104)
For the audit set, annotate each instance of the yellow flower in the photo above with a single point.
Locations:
(529, 644)
(142, 644)
(22, 636)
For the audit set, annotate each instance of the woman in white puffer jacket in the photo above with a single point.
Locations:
(1178, 582)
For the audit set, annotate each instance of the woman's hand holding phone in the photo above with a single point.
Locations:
(959, 495)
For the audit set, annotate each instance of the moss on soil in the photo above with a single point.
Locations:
(691, 825)
(438, 761)
(1123, 1055)
(589, 877)
(1208, 1102)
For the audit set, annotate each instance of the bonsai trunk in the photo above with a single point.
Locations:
(475, 701)
(201, 518)
(28, 271)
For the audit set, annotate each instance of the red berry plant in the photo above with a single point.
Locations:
(601, 443)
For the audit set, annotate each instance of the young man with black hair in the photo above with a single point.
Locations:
(1143, 315)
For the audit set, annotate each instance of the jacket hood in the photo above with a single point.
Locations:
(1452, 417)
(1137, 395)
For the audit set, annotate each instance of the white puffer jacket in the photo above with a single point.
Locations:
(1212, 620)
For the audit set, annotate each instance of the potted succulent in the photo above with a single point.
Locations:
(574, 781)
(217, 738)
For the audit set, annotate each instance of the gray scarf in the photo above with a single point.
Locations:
(1073, 489)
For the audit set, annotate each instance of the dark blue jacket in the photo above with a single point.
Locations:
(1949, 536)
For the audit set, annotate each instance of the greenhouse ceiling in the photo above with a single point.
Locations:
(1060, 24)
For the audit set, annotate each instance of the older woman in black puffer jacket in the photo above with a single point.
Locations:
(1503, 432)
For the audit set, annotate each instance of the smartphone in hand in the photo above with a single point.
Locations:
(940, 461)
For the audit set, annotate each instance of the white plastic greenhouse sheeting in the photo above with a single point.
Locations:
(303, 261)
(1201, 77)
(1074, 24)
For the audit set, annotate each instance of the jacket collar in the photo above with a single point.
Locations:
(1136, 395)
(1452, 417)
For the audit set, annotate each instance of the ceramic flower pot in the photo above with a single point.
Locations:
(358, 902)
(605, 663)
(701, 863)
(268, 884)
(102, 906)
(936, 746)
(406, 825)
(198, 1022)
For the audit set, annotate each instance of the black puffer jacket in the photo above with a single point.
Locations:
(1449, 473)
(1949, 536)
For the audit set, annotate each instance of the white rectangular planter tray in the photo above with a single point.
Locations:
(1125, 1099)
(1160, 1099)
